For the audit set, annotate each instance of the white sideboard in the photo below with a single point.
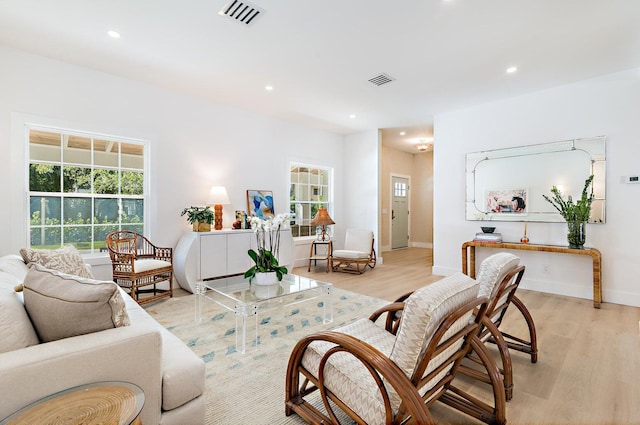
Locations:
(208, 255)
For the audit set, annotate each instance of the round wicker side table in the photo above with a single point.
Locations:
(109, 402)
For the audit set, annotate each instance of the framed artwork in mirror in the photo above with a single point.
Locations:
(507, 201)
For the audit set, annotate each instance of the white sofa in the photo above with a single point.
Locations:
(144, 353)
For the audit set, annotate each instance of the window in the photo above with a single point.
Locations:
(400, 190)
(82, 187)
(310, 189)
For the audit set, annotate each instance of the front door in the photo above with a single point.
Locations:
(399, 212)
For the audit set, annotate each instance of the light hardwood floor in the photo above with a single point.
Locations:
(588, 369)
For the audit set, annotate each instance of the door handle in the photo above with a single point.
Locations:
(393, 214)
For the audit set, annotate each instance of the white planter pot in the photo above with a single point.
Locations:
(269, 278)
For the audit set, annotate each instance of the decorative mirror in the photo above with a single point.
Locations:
(508, 184)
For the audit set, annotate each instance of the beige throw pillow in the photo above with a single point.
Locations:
(16, 330)
(66, 259)
(62, 305)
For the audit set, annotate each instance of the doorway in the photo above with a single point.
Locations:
(399, 212)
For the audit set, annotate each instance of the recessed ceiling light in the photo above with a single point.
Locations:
(402, 133)
(352, 116)
(113, 34)
(512, 69)
(268, 88)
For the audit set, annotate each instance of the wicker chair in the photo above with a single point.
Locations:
(137, 264)
(372, 374)
(358, 252)
(499, 278)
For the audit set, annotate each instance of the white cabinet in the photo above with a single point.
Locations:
(238, 245)
(213, 254)
(209, 255)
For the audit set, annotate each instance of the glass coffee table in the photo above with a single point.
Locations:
(248, 301)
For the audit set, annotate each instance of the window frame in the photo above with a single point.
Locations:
(91, 195)
(307, 233)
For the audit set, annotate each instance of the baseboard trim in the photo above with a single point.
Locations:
(563, 288)
(421, 245)
(443, 271)
(387, 248)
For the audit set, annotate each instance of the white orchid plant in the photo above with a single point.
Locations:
(267, 233)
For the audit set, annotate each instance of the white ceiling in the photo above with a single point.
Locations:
(318, 56)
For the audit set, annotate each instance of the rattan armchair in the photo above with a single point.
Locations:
(370, 374)
(139, 266)
(358, 252)
(499, 277)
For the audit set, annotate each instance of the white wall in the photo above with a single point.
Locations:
(604, 106)
(194, 143)
(422, 200)
(361, 185)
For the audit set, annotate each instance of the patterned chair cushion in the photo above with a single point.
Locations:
(424, 310)
(492, 270)
(346, 376)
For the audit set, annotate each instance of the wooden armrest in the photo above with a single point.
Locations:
(389, 308)
(394, 315)
(404, 297)
(160, 253)
(123, 258)
(382, 369)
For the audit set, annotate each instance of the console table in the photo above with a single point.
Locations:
(470, 247)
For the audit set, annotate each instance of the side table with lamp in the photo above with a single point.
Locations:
(323, 219)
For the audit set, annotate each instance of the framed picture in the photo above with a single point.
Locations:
(506, 201)
(260, 203)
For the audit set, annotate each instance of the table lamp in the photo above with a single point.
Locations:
(218, 196)
(322, 219)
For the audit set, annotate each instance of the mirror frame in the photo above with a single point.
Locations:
(562, 161)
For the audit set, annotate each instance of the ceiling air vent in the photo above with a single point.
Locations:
(381, 79)
(241, 11)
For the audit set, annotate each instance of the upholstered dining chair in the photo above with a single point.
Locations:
(139, 266)
(374, 374)
(358, 252)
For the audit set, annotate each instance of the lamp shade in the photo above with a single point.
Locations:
(218, 196)
(322, 218)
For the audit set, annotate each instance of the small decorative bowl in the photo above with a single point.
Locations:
(488, 229)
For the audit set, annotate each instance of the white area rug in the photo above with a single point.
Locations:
(249, 389)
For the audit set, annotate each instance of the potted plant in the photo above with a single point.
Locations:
(266, 269)
(575, 214)
(200, 217)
